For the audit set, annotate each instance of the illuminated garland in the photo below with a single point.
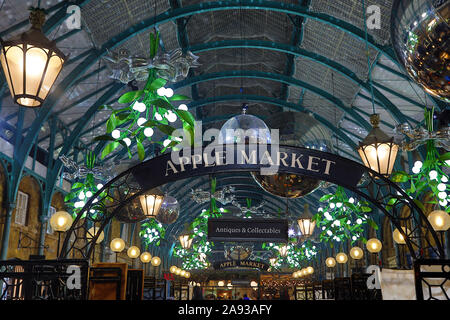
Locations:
(148, 109)
(342, 218)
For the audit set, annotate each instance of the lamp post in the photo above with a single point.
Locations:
(440, 221)
(31, 63)
(401, 242)
(331, 263)
(374, 246)
(60, 222)
(357, 254)
(378, 151)
(341, 258)
(145, 259)
(91, 233)
(117, 245)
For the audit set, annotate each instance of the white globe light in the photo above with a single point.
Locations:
(127, 141)
(443, 202)
(141, 121)
(415, 170)
(139, 106)
(168, 92)
(99, 186)
(418, 164)
(89, 194)
(183, 107)
(172, 117)
(444, 179)
(358, 221)
(433, 174)
(441, 187)
(447, 162)
(339, 204)
(161, 91)
(158, 117)
(115, 134)
(148, 132)
(166, 142)
(81, 195)
(351, 200)
(442, 195)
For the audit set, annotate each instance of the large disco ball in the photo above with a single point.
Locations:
(421, 37)
(170, 209)
(244, 128)
(131, 213)
(297, 129)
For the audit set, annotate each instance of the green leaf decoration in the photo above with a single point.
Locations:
(162, 103)
(372, 224)
(130, 96)
(325, 197)
(445, 157)
(419, 204)
(110, 147)
(105, 137)
(186, 116)
(140, 150)
(157, 83)
(179, 97)
(366, 209)
(165, 129)
(111, 124)
(400, 176)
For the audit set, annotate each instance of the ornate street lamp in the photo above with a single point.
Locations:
(356, 253)
(439, 220)
(378, 151)
(374, 245)
(283, 250)
(306, 223)
(330, 262)
(60, 222)
(145, 257)
(31, 63)
(133, 252)
(151, 203)
(156, 261)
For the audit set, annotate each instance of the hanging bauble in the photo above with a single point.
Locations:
(421, 37)
(169, 211)
(131, 212)
(301, 130)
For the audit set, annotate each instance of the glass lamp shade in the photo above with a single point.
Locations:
(187, 275)
(439, 220)
(378, 151)
(173, 269)
(341, 257)
(61, 221)
(398, 237)
(310, 270)
(356, 253)
(156, 261)
(295, 274)
(145, 257)
(177, 271)
(133, 252)
(253, 284)
(306, 223)
(182, 273)
(330, 262)
(283, 250)
(374, 245)
(31, 63)
(92, 232)
(186, 240)
(221, 283)
(117, 245)
(151, 203)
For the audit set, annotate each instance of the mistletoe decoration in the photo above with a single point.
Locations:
(82, 191)
(428, 177)
(296, 254)
(195, 258)
(147, 109)
(342, 218)
(152, 232)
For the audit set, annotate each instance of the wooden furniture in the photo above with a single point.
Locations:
(135, 284)
(108, 281)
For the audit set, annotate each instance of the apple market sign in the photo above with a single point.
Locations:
(267, 159)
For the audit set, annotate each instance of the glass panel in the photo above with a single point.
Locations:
(14, 57)
(6, 72)
(54, 67)
(36, 59)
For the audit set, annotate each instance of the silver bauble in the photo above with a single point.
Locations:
(421, 38)
(170, 209)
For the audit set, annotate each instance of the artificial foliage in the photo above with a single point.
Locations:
(196, 258)
(429, 177)
(297, 254)
(342, 218)
(152, 232)
(147, 110)
(82, 190)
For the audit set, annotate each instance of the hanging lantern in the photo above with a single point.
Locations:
(186, 238)
(151, 203)
(378, 151)
(374, 245)
(306, 223)
(283, 250)
(31, 63)
(356, 253)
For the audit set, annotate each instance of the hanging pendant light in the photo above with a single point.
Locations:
(151, 203)
(31, 63)
(378, 151)
(306, 223)
(283, 250)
